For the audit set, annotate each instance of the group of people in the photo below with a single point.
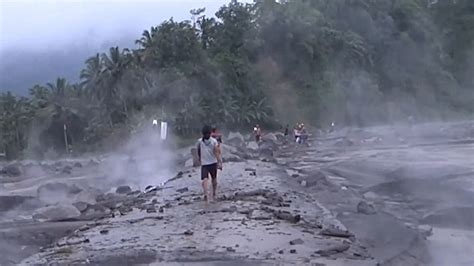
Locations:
(299, 132)
(209, 153)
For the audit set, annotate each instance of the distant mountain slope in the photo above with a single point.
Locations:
(21, 70)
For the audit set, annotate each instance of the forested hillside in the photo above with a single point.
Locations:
(355, 62)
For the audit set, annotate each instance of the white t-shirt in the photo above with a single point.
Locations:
(207, 151)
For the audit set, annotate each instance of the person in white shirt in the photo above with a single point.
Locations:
(210, 159)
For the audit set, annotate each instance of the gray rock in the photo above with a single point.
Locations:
(371, 195)
(366, 208)
(283, 215)
(58, 212)
(182, 190)
(232, 158)
(425, 230)
(12, 170)
(125, 209)
(252, 145)
(88, 195)
(235, 138)
(78, 165)
(56, 192)
(261, 215)
(81, 206)
(67, 169)
(188, 233)
(266, 152)
(333, 249)
(151, 209)
(270, 137)
(93, 163)
(123, 190)
(333, 231)
(298, 241)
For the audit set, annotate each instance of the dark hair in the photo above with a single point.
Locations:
(206, 130)
(213, 129)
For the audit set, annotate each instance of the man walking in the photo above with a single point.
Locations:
(209, 156)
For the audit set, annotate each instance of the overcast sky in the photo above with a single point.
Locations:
(39, 24)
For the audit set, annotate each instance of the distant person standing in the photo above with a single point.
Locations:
(296, 132)
(209, 156)
(257, 131)
(287, 130)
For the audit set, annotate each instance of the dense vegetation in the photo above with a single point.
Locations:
(351, 61)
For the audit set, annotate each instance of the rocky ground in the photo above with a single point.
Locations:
(389, 195)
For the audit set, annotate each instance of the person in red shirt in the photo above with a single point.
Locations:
(257, 132)
(216, 134)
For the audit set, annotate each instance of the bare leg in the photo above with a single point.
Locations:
(214, 188)
(205, 189)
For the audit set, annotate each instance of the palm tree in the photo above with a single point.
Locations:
(115, 65)
(147, 40)
(91, 75)
(40, 96)
(59, 90)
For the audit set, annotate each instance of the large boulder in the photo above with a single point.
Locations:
(231, 154)
(123, 190)
(270, 137)
(56, 192)
(12, 170)
(252, 145)
(56, 213)
(235, 139)
(87, 195)
(366, 208)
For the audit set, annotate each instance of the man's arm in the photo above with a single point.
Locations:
(199, 152)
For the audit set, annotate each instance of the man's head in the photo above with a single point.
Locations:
(214, 129)
(206, 132)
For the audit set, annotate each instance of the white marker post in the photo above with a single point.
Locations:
(65, 139)
(164, 130)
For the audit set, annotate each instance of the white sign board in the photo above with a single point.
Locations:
(164, 130)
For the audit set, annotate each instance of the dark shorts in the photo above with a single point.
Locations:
(209, 169)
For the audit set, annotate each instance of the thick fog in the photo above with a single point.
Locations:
(60, 34)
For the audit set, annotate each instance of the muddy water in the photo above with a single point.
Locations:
(422, 177)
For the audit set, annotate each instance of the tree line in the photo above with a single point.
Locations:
(355, 62)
